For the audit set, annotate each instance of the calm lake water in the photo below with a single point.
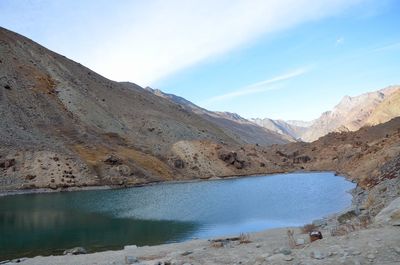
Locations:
(43, 224)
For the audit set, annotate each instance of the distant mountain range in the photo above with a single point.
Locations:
(350, 114)
(233, 124)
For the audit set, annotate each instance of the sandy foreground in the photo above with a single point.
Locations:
(376, 245)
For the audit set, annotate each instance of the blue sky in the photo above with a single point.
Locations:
(289, 59)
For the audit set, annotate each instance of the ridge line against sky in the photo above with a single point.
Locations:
(210, 51)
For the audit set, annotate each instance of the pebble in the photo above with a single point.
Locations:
(317, 255)
(130, 247)
(276, 257)
(288, 258)
(355, 252)
(131, 260)
(371, 256)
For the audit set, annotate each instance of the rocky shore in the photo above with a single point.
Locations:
(375, 245)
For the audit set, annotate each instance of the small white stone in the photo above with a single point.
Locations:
(288, 258)
(130, 247)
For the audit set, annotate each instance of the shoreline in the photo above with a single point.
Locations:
(13, 192)
(375, 245)
(324, 219)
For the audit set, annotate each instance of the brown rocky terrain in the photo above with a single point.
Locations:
(233, 124)
(65, 126)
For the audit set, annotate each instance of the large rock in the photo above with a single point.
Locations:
(75, 251)
(390, 214)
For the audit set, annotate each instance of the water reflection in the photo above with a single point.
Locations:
(109, 219)
(44, 232)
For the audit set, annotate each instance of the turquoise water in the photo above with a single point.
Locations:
(43, 224)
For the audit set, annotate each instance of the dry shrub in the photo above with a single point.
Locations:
(244, 238)
(369, 201)
(306, 229)
(292, 241)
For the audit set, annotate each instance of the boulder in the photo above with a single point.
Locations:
(131, 259)
(7, 163)
(178, 163)
(113, 160)
(390, 214)
(301, 159)
(75, 251)
(239, 164)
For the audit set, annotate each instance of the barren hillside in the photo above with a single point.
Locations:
(64, 125)
(352, 113)
(233, 124)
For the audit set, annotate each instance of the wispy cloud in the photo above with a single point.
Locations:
(144, 41)
(393, 46)
(262, 86)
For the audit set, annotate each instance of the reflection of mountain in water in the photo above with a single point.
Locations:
(39, 231)
(109, 219)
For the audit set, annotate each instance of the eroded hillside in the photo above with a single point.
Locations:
(63, 125)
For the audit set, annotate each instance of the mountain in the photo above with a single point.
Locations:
(62, 125)
(352, 113)
(233, 124)
(293, 129)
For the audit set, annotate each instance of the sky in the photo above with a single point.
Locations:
(281, 59)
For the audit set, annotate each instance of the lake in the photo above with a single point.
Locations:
(44, 224)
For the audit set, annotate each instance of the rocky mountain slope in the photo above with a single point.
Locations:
(294, 129)
(64, 125)
(350, 114)
(233, 124)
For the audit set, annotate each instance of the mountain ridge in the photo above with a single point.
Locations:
(350, 114)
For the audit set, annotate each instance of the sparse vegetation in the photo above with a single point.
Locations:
(369, 202)
(244, 238)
